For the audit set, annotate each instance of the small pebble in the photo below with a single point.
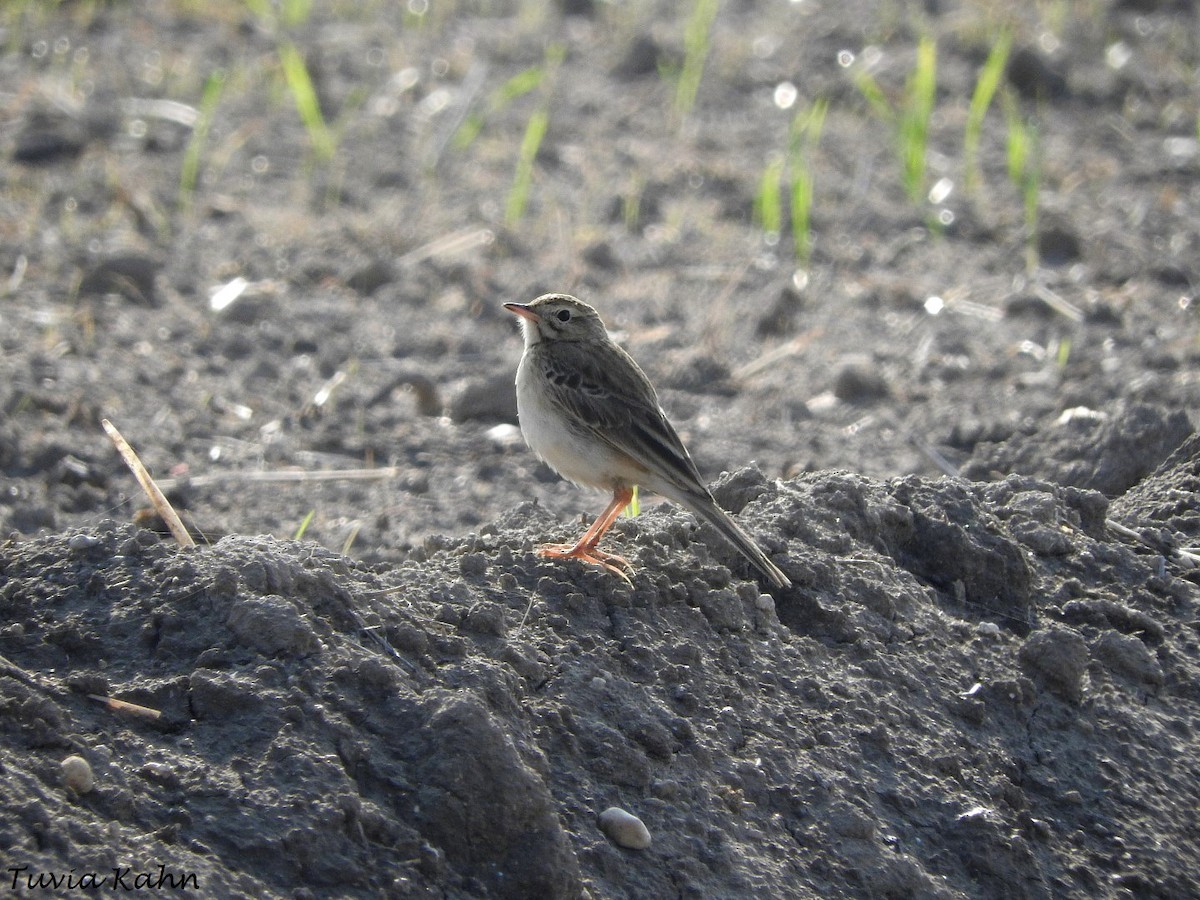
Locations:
(80, 542)
(161, 772)
(77, 774)
(624, 829)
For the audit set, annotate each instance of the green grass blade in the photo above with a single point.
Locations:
(696, 45)
(296, 12)
(1063, 355)
(1024, 170)
(802, 198)
(518, 194)
(876, 99)
(768, 202)
(190, 171)
(517, 86)
(806, 134)
(535, 130)
(919, 96)
(299, 535)
(990, 77)
(295, 73)
(1016, 142)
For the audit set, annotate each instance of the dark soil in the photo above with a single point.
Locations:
(983, 682)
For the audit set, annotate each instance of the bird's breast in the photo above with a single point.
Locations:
(566, 445)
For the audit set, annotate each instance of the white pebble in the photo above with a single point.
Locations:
(624, 829)
(80, 542)
(77, 774)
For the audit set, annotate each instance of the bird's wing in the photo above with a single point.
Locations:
(604, 390)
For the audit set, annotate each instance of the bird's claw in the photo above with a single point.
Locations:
(618, 565)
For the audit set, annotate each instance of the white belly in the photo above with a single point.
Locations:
(587, 461)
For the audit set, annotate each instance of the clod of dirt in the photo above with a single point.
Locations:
(1166, 497)
(1129, 656)
(1035, 75)
(955, 543)
(271, 625)
(1106, 453)
(1059, 656)
(133, 276)
(858, 380)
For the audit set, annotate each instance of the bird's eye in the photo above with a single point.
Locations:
(564, 315)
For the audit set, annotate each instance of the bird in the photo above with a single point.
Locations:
(588, 410)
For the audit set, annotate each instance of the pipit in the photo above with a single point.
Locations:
(589, 411)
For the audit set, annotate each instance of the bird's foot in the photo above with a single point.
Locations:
(618, 565)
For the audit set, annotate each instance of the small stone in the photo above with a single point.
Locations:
(77, 774)
(624, 829)
(369, 278)
(82, 542)
(162, 773)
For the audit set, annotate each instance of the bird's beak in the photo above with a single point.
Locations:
(522, 310)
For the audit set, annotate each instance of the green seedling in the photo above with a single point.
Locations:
(295, 12)
(351, 538)
(634, 507)
(876, 99)
(990, 77)
(806, 134)
(518, 194)
(517, 86)
(631, 204)
(768, 202)
(295, 73)
(1024, 171)
(190, 172)
(531, 142)
(696, 44)
(910, 117)
(299, 535)
(919, 95)
(1063, 355)
(289, 13)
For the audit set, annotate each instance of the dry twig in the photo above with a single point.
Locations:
(164, 509)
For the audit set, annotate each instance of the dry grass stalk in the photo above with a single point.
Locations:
(164, 509)
(125, 706)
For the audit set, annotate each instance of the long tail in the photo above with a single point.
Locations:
(708, 510)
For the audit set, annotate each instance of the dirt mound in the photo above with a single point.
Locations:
(454, 726)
